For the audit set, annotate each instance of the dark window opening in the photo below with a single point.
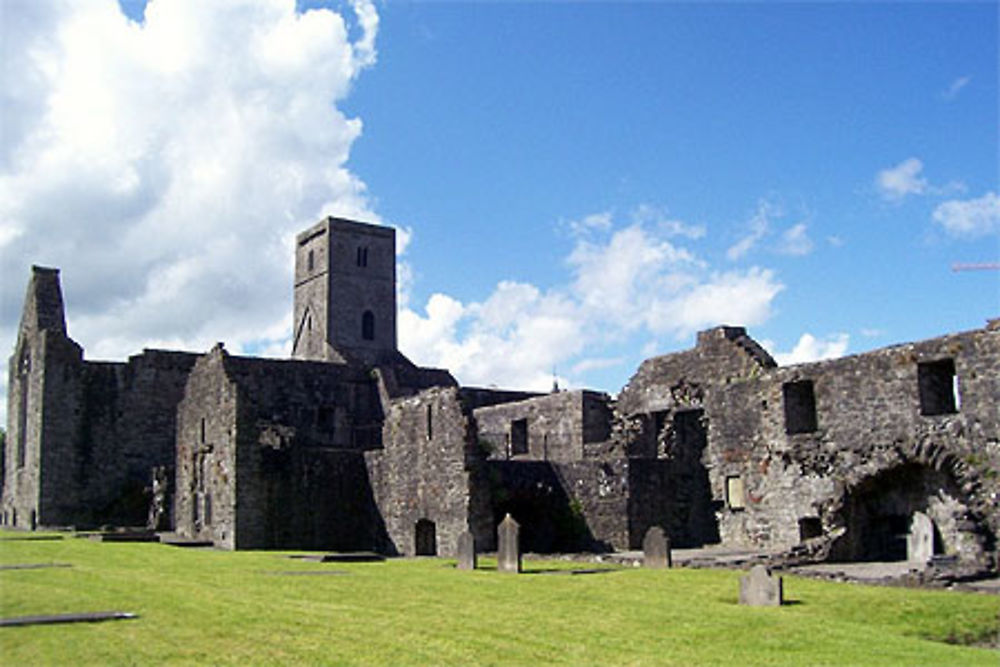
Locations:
(368, 325)
(22, 415)
(689, 431)
(800, 407)
(324, 418)
(810, 527)
(519, 436)
(362, 257)
(202, 430)
(425, 538)
(430, 423)
(938, 387)
(659, 421)
(208, 509)
(311, 261)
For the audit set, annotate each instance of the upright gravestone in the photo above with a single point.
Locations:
(509, 546)
(466, 552)
(759, 589)
(920, 541)
(656, 549)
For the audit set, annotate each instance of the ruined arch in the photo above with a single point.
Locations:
(876, 514)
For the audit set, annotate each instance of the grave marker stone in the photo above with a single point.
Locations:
(466, 552)
(509, 546)
(920, 541)
(656, 549)
(759, 589)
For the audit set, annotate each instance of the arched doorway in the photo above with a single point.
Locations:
(425, 538)
(889, 514)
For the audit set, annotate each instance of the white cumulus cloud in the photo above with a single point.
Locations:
(970, 217)
(895, 183)
(809, 348)
(625, 282)
(165, 166)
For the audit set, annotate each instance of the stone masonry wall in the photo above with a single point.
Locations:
(868, 426)
(423, 472)
(555, 427)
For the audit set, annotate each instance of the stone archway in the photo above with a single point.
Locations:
(907, 512)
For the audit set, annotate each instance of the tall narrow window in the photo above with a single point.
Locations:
(22, 415)
(311, 261)
(800, 407)
(368, 325)
(430, 422)
(938, 387)
(519, 436)
(362, 256)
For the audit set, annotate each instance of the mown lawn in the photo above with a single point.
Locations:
(203, 606)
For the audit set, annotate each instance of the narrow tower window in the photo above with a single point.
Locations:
(368, 325)
(311, 261)
(362, 258)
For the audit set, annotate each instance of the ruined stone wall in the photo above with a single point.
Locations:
(673, 383)
(43, 405)
(423, 472)
(126, 426)
(552, 427)
(206, 453)
(282, 442)
(92, 431)
(868, 423)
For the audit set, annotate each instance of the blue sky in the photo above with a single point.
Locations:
(578, 185)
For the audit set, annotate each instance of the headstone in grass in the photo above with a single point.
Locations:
(466, 551)
(656, 549)
(920, 541)
(760, 589)
(509, 546)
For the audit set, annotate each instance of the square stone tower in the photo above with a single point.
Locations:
(345, 293)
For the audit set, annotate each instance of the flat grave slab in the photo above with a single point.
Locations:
(84, 617)
(33, 566)
(127, 536)
(347, 557)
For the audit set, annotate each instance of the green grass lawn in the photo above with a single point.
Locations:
(203, 606)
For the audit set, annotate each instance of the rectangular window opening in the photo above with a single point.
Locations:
(800, 407)
(689, 430)
(810, 527)
(519, 436)
(735, 498)
(938, 387)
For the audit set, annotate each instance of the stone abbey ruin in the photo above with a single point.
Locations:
(887, 455)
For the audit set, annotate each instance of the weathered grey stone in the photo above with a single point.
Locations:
(656, 549)
(466, 551)
(759, 589)
(509, 545)
(350, 446)
(920, 541)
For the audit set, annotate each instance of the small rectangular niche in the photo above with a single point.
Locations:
(735, 495)
(800, 407)
(519, 437)
(810, 527)
(938, 387)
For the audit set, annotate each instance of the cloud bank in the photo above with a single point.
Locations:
(627, 279)
(166, 165)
